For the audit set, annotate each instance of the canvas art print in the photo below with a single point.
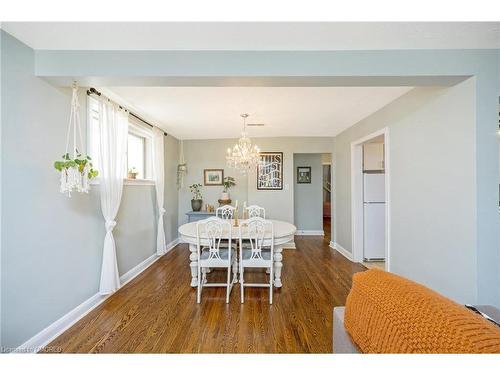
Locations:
(213, 177)
(270, 171)
(303, 175)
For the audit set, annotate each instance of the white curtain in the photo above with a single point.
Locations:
(159, 176)
(113, 127)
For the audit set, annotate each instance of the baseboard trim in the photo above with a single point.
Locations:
(309, 233)
(172, 244)
(134, 272)
(48, 334)
(341, 250)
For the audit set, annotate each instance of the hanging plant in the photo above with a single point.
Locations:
(76, 173)
(181, 168)
(76, 170)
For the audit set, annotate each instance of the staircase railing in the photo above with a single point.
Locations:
(327, 186)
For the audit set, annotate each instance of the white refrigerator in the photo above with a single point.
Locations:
(374, 216)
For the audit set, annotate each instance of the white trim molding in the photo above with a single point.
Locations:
(45, 336)
(172, 244)
(309, 233)
(48, 334)
(138, 182)
(289, 245)
(128, 182)
(341, 250)
(135, 271)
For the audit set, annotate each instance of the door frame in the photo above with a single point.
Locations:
(357, 222)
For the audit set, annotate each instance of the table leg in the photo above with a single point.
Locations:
(193, 257)
(278, 257)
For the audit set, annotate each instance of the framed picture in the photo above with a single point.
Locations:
(213, 177)
(270, 171)
(303, 175)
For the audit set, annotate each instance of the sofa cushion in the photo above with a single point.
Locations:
(386, 313)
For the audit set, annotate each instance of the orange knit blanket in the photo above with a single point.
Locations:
(386, 313)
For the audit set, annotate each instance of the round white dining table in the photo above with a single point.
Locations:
(283, 234)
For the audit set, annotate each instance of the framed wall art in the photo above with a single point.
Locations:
(270, 171)
(213, 177)
(303, 175)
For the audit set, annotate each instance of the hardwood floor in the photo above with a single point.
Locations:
(380, 265)
(327, 228)
(157, 311)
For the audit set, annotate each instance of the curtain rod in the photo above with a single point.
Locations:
(93, 91)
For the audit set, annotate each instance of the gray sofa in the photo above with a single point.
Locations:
(342, 342)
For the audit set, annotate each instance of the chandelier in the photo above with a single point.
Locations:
(243, 156)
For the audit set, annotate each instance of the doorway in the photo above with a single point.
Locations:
(312, 194)
(326, 160)
(370, 200)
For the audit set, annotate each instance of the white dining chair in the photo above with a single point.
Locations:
(225, 212)
(215, 251)
(255, 211)
(260, 235)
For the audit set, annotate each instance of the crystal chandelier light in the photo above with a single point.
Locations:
(243, 156)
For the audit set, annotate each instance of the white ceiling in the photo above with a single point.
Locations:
(255, 35)
(214, 112)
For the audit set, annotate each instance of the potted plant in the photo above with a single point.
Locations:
(76, 172)
(197, 197)
(132, 173)
(228, 183)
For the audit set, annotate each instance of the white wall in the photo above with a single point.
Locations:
(279, 204)
(319, 68)
(432, 182)
(201, 154)
(208, 154)
(499, 158)
(171, 204)
(308, 198)
(51, 245)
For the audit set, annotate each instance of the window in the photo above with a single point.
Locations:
(139, 150)
(135, 154)
(139, 145)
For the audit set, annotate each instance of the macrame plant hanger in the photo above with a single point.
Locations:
(181, 168)
(75, 175)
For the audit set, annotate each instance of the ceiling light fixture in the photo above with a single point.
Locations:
(243, 155)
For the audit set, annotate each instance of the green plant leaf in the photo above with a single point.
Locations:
(58, 165)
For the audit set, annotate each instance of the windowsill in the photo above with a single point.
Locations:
(129, 181)
(137, 181)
